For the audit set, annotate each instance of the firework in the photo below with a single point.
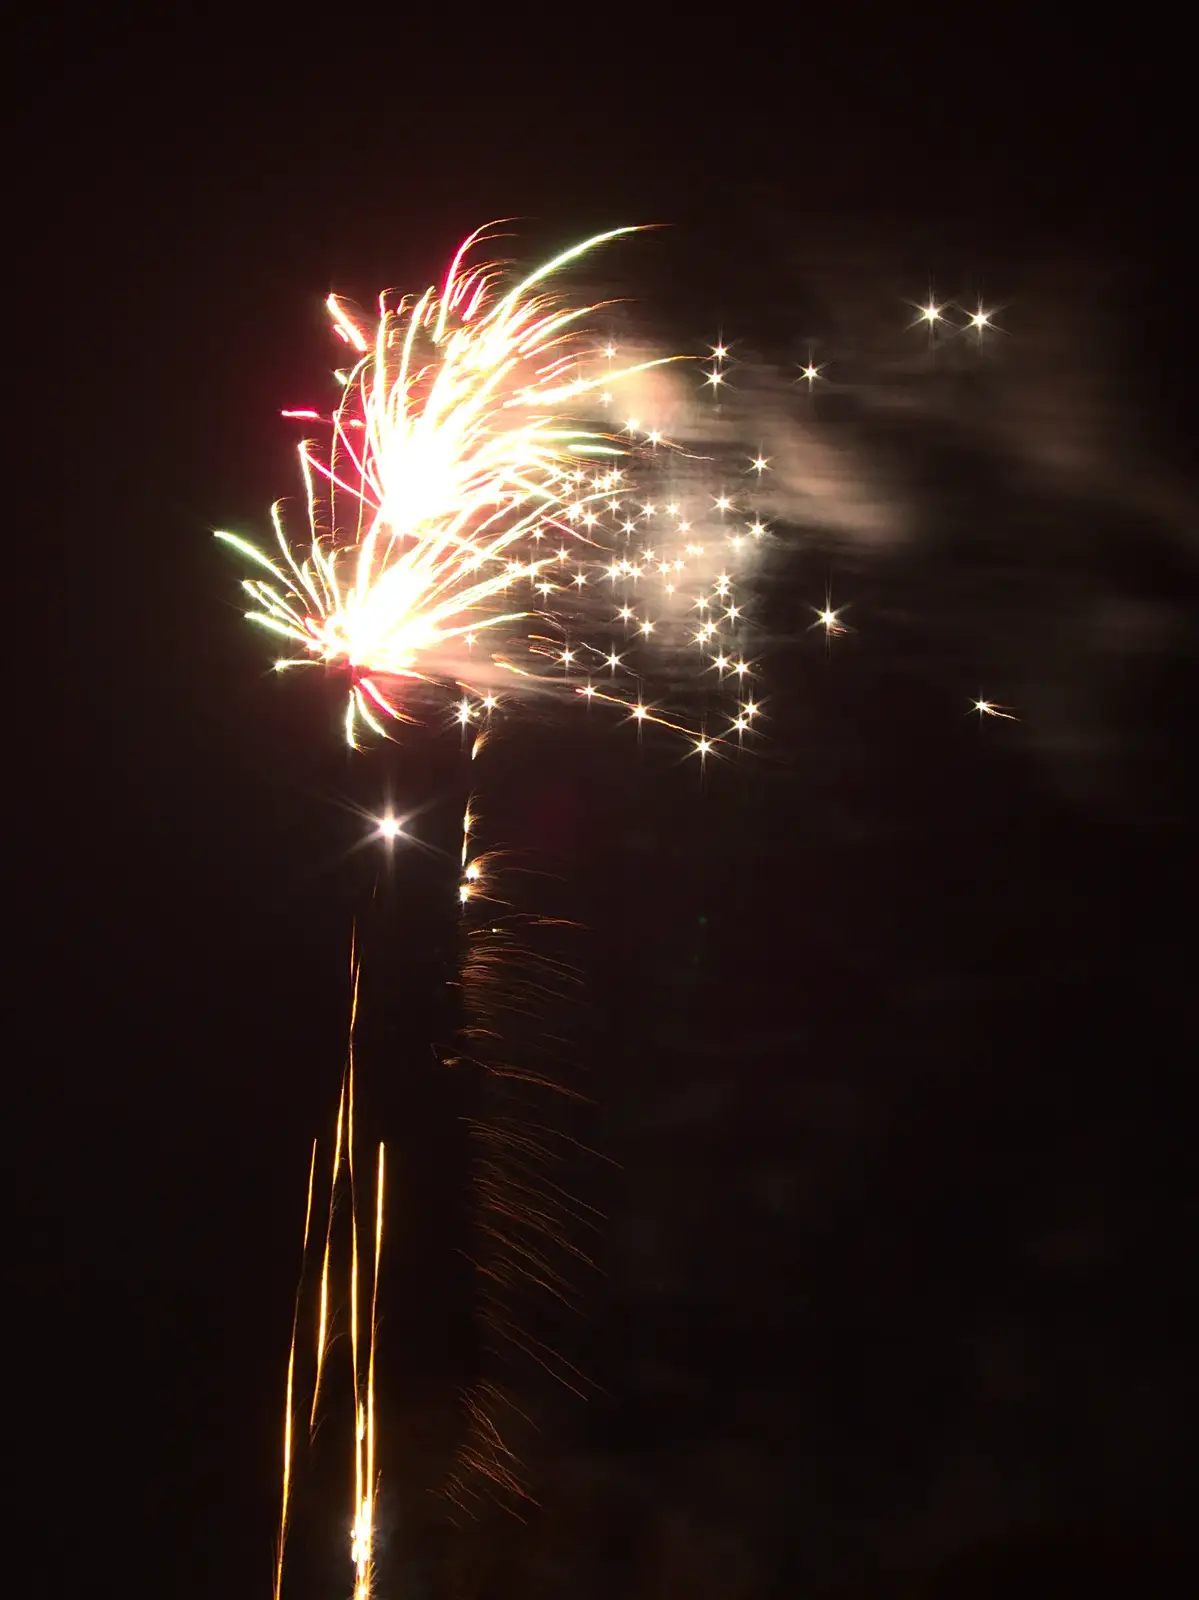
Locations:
(474, 522)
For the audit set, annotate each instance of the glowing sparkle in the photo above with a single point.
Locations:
(988, 708)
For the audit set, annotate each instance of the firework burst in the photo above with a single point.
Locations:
(473, 523)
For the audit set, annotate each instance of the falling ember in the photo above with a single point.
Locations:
(987, 708)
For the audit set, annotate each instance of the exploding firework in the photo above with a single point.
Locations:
(476, 522)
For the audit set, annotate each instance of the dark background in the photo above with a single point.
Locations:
(886, 1034)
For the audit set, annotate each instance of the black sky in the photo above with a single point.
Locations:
(885, 1038)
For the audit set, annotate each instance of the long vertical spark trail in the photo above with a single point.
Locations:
(289, 1413)
(362, 1350)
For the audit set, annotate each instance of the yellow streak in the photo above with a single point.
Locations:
(322, 1326)
(364, 1523)
(291, 1369)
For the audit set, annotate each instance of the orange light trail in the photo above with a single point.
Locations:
(362, 1349)
(291, 1371)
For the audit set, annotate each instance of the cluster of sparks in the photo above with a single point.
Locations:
(362, 1334)
(469, 528)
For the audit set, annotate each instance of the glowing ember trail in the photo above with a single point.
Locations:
(291, 1373)
(362, 1351)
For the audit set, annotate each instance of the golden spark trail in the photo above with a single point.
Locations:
(291, 1370)
(360, 1539)
(364, 1526)
(323, 1314)
(362, 1340)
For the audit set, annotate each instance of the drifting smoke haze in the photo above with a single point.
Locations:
(1001, 492)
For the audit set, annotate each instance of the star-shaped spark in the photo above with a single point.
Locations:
(829, 620)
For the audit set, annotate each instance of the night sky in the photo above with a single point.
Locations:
(879, 1041)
